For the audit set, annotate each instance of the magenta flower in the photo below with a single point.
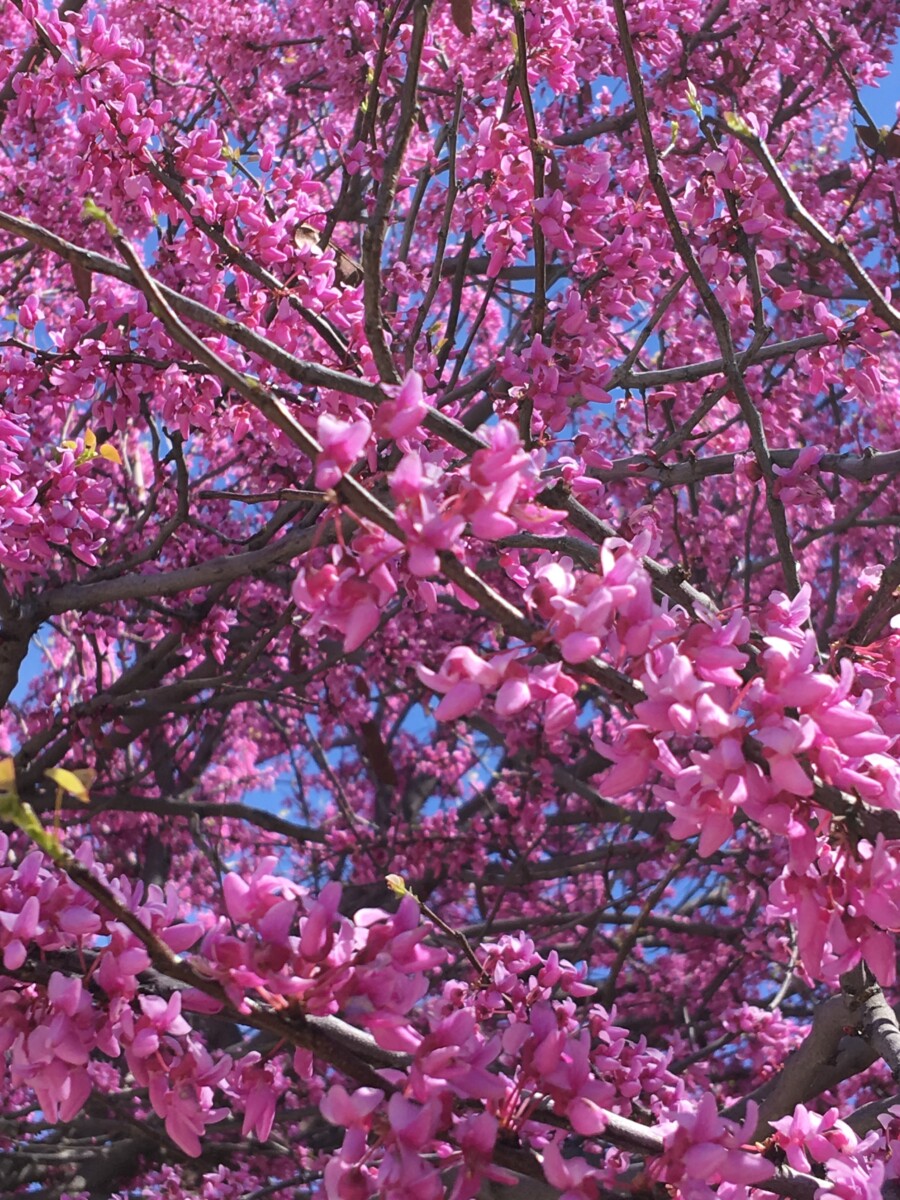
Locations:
(702, 1148)
(401, 417)
(342, 443)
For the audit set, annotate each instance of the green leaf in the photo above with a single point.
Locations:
(738, 125)
(91, 211)
(23, 816)
(693, 100)
(76, 783)
(8, 776)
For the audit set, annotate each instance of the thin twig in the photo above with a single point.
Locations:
(718, 318)
(621, 373)
(376, 230)
(834, 248)
(538, 158)
(443, 233)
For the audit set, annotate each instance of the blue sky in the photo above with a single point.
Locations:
(881, 102)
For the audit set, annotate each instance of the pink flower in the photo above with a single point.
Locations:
(342, 443)
(400, 417)
(462, 678)
(807, 1136)
(702, 1148)
(257, 1090)
(513, 696)
(573, 1176)
(23, 927)
(340, 1107)
(160, 1017)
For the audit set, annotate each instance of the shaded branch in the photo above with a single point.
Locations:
(640, 468)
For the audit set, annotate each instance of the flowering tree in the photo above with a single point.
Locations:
(449, 629)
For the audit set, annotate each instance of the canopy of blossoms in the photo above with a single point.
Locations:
(449, 600)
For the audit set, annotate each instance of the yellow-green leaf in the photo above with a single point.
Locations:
(737, 124)
(110, 453)
(29, 822)
(8, 776)
(693, 100)
(91, 211)
(9, 807)
(72, 782)
(87, 775)
(22, 815)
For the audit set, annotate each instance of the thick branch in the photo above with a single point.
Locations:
(826, 1056)
(85, 597)
(640, 380)
(640, 468)
(201, 809)
(874, 1017)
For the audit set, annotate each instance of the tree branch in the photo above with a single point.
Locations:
(733, 368)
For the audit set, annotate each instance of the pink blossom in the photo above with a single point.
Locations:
(702, 1147)
(342, 443)
(401, 417)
